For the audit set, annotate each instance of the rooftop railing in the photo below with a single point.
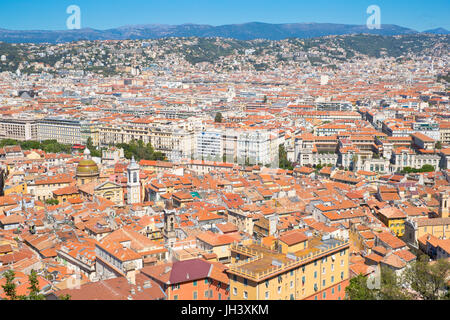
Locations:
(272, 270)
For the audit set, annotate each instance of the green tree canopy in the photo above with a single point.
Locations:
(92, 148)
(425, 168)
(140, 151)
(52, 201)
(34, 287)
(421, 279)
(50, 146)
(429, 280)
(357, 289)
(284, 163)
(10, 287)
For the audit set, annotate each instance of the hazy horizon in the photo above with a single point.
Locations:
(50, 15)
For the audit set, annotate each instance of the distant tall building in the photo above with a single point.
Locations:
(133, 183)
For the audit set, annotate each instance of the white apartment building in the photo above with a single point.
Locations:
(444, 132)
(254, 147)
(428, 128)
(18, 129)
(209, 145)
(64, 131)
(408, 158)
(174, 139)
(230, 145)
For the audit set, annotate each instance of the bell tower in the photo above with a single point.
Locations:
(169, 233)
(443, 205)
(133, 183)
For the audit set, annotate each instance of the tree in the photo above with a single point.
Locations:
(428, 279)
(407, 170)
(218, 117)
(64, 297)
(319, 167)
(92, 149)
(10, 287)
(438, 145)
(265, 99)
(284, 163)
(52, 201)
(140, 151)
(391, 286)
(357, 289)
(427, 168)
(34, 287)
(354, 163)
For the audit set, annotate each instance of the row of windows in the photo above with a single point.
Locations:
(267, 293)
(208, 294)
(324, 294)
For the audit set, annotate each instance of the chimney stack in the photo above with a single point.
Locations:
(132, 277)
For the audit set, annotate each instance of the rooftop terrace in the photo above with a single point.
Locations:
(265, 263)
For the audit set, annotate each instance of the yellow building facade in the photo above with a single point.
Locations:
(438, 227)
(397, 226)
(20, 188)
(319, 273)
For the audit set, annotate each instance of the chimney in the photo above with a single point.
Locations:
(132, 277)
(169, 204)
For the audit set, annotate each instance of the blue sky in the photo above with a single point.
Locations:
(104, 14)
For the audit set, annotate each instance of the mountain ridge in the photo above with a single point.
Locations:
(243, 31)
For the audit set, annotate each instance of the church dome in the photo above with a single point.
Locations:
(87, 167)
